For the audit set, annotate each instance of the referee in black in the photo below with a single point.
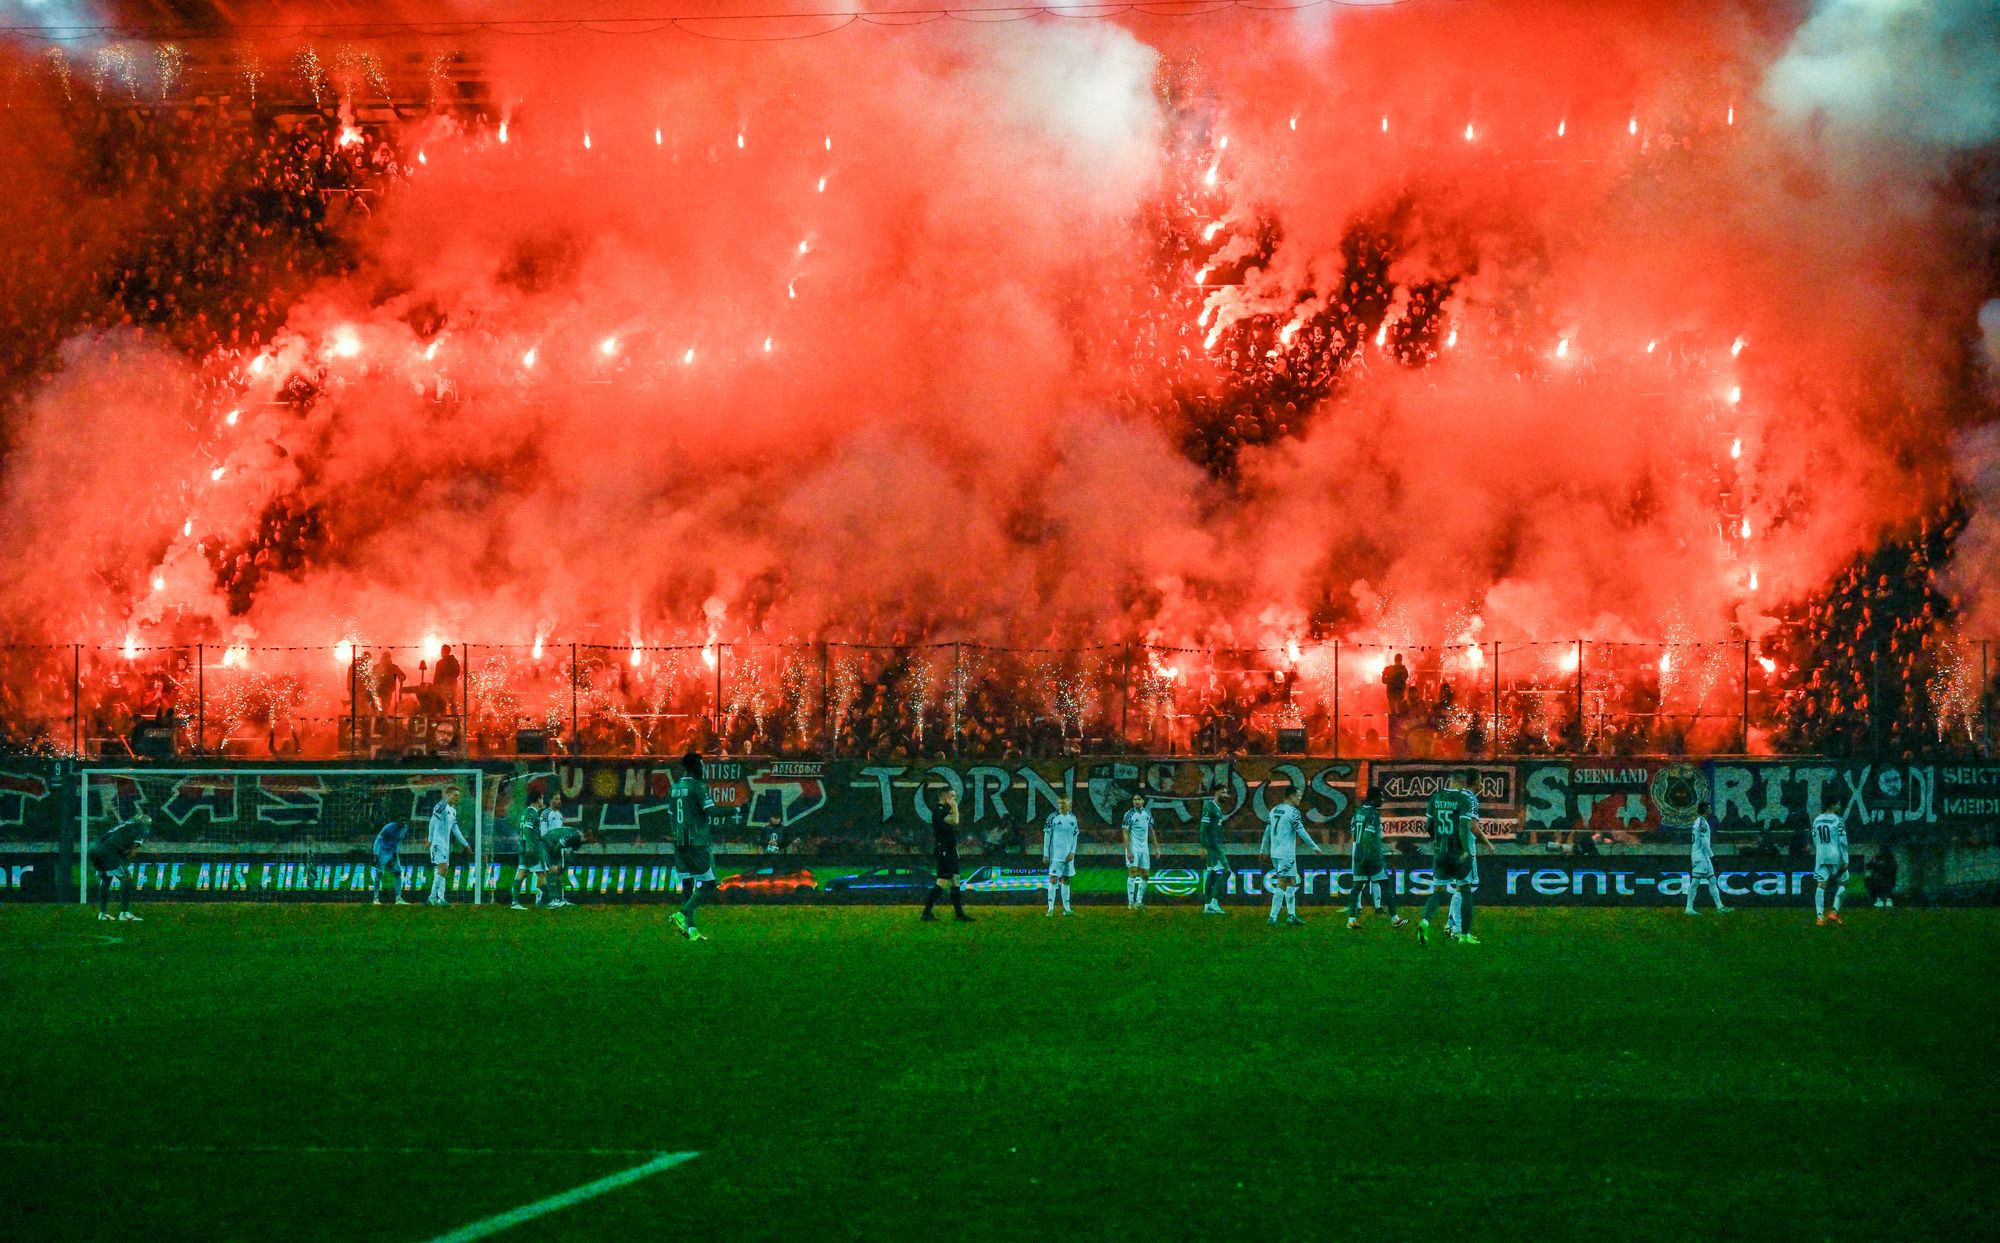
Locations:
(944, 843)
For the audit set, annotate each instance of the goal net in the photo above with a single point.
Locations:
(273, 834)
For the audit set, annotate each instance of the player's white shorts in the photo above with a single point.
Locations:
(1062, 869)
(440, 860)
(1702, 869)
(1285, 869)
(1142, 859)
(1830, 873)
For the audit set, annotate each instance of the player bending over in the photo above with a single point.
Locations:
(444, 831)
(1215, 877)
(1370, 864)
(110, 858)
(1701, 859)
(558, 839)
(533, 860)
(1059, 835)
(689, 807)
(387, 850)
(1451, 815)
(1138, 826)
(1829, 835)
(1282, 835)
(944, 850)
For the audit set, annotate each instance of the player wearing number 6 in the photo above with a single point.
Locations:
(1829, 836)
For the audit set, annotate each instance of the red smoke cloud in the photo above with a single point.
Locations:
(952, 393)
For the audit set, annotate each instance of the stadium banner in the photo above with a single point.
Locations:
(641, 878)
(1629, 799)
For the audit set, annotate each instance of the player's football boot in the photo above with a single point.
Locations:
(962, 918)
(1466, 938)
(1353, 923)
(1273, 921)
(1399, 922)
(1833, 917)
(107, 916)
(1424, 932)
(696, 934)
(127, 917)
(1293, 921)
(928, 917)
(1820, 922)
(680, 923)
(514, 906)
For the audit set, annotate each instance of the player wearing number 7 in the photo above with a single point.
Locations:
(444, 831)
(1829, 835)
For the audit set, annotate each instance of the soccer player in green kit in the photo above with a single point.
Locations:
(110, 856)
(1216, 878)
(534, 859)
(1453, 814)
(1370, 864)
(689, 806)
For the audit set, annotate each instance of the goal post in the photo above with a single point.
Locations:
(255, 833)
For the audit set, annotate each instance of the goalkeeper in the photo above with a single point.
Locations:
(111, 858)
(387, 850)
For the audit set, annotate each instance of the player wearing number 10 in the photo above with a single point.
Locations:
(1829, 836)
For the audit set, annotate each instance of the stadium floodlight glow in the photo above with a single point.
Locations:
(1475, 655)
(431, 647)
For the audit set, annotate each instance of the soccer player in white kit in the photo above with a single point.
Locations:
(1701, 859)
(1059, 834)
(1282, 835)
(1829, 837)
(1138, 826)
(444, 830)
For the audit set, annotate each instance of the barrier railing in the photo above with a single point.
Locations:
(852, 700)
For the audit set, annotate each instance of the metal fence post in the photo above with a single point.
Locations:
(1336, 699)
(1496, 697)
(827, 742)
(1746, 696)
(1985, 700)
(76, 700)
(353, 701)
(957, 704)
(465, 705)
(201, 699)
(1125, 702)
(721, 653)
(575, 735)
(1582, 726)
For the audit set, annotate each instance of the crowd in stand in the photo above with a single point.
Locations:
(206, 223)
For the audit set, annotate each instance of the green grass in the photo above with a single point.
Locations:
(849, 1073)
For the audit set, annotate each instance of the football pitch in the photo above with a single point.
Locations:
(346, 1072)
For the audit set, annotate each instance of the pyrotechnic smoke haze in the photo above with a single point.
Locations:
(1516, 321)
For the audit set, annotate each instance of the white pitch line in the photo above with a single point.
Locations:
(576, 1195)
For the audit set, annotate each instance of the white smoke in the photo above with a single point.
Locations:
(1897, 71)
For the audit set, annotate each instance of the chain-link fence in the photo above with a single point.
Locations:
(907, 701)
